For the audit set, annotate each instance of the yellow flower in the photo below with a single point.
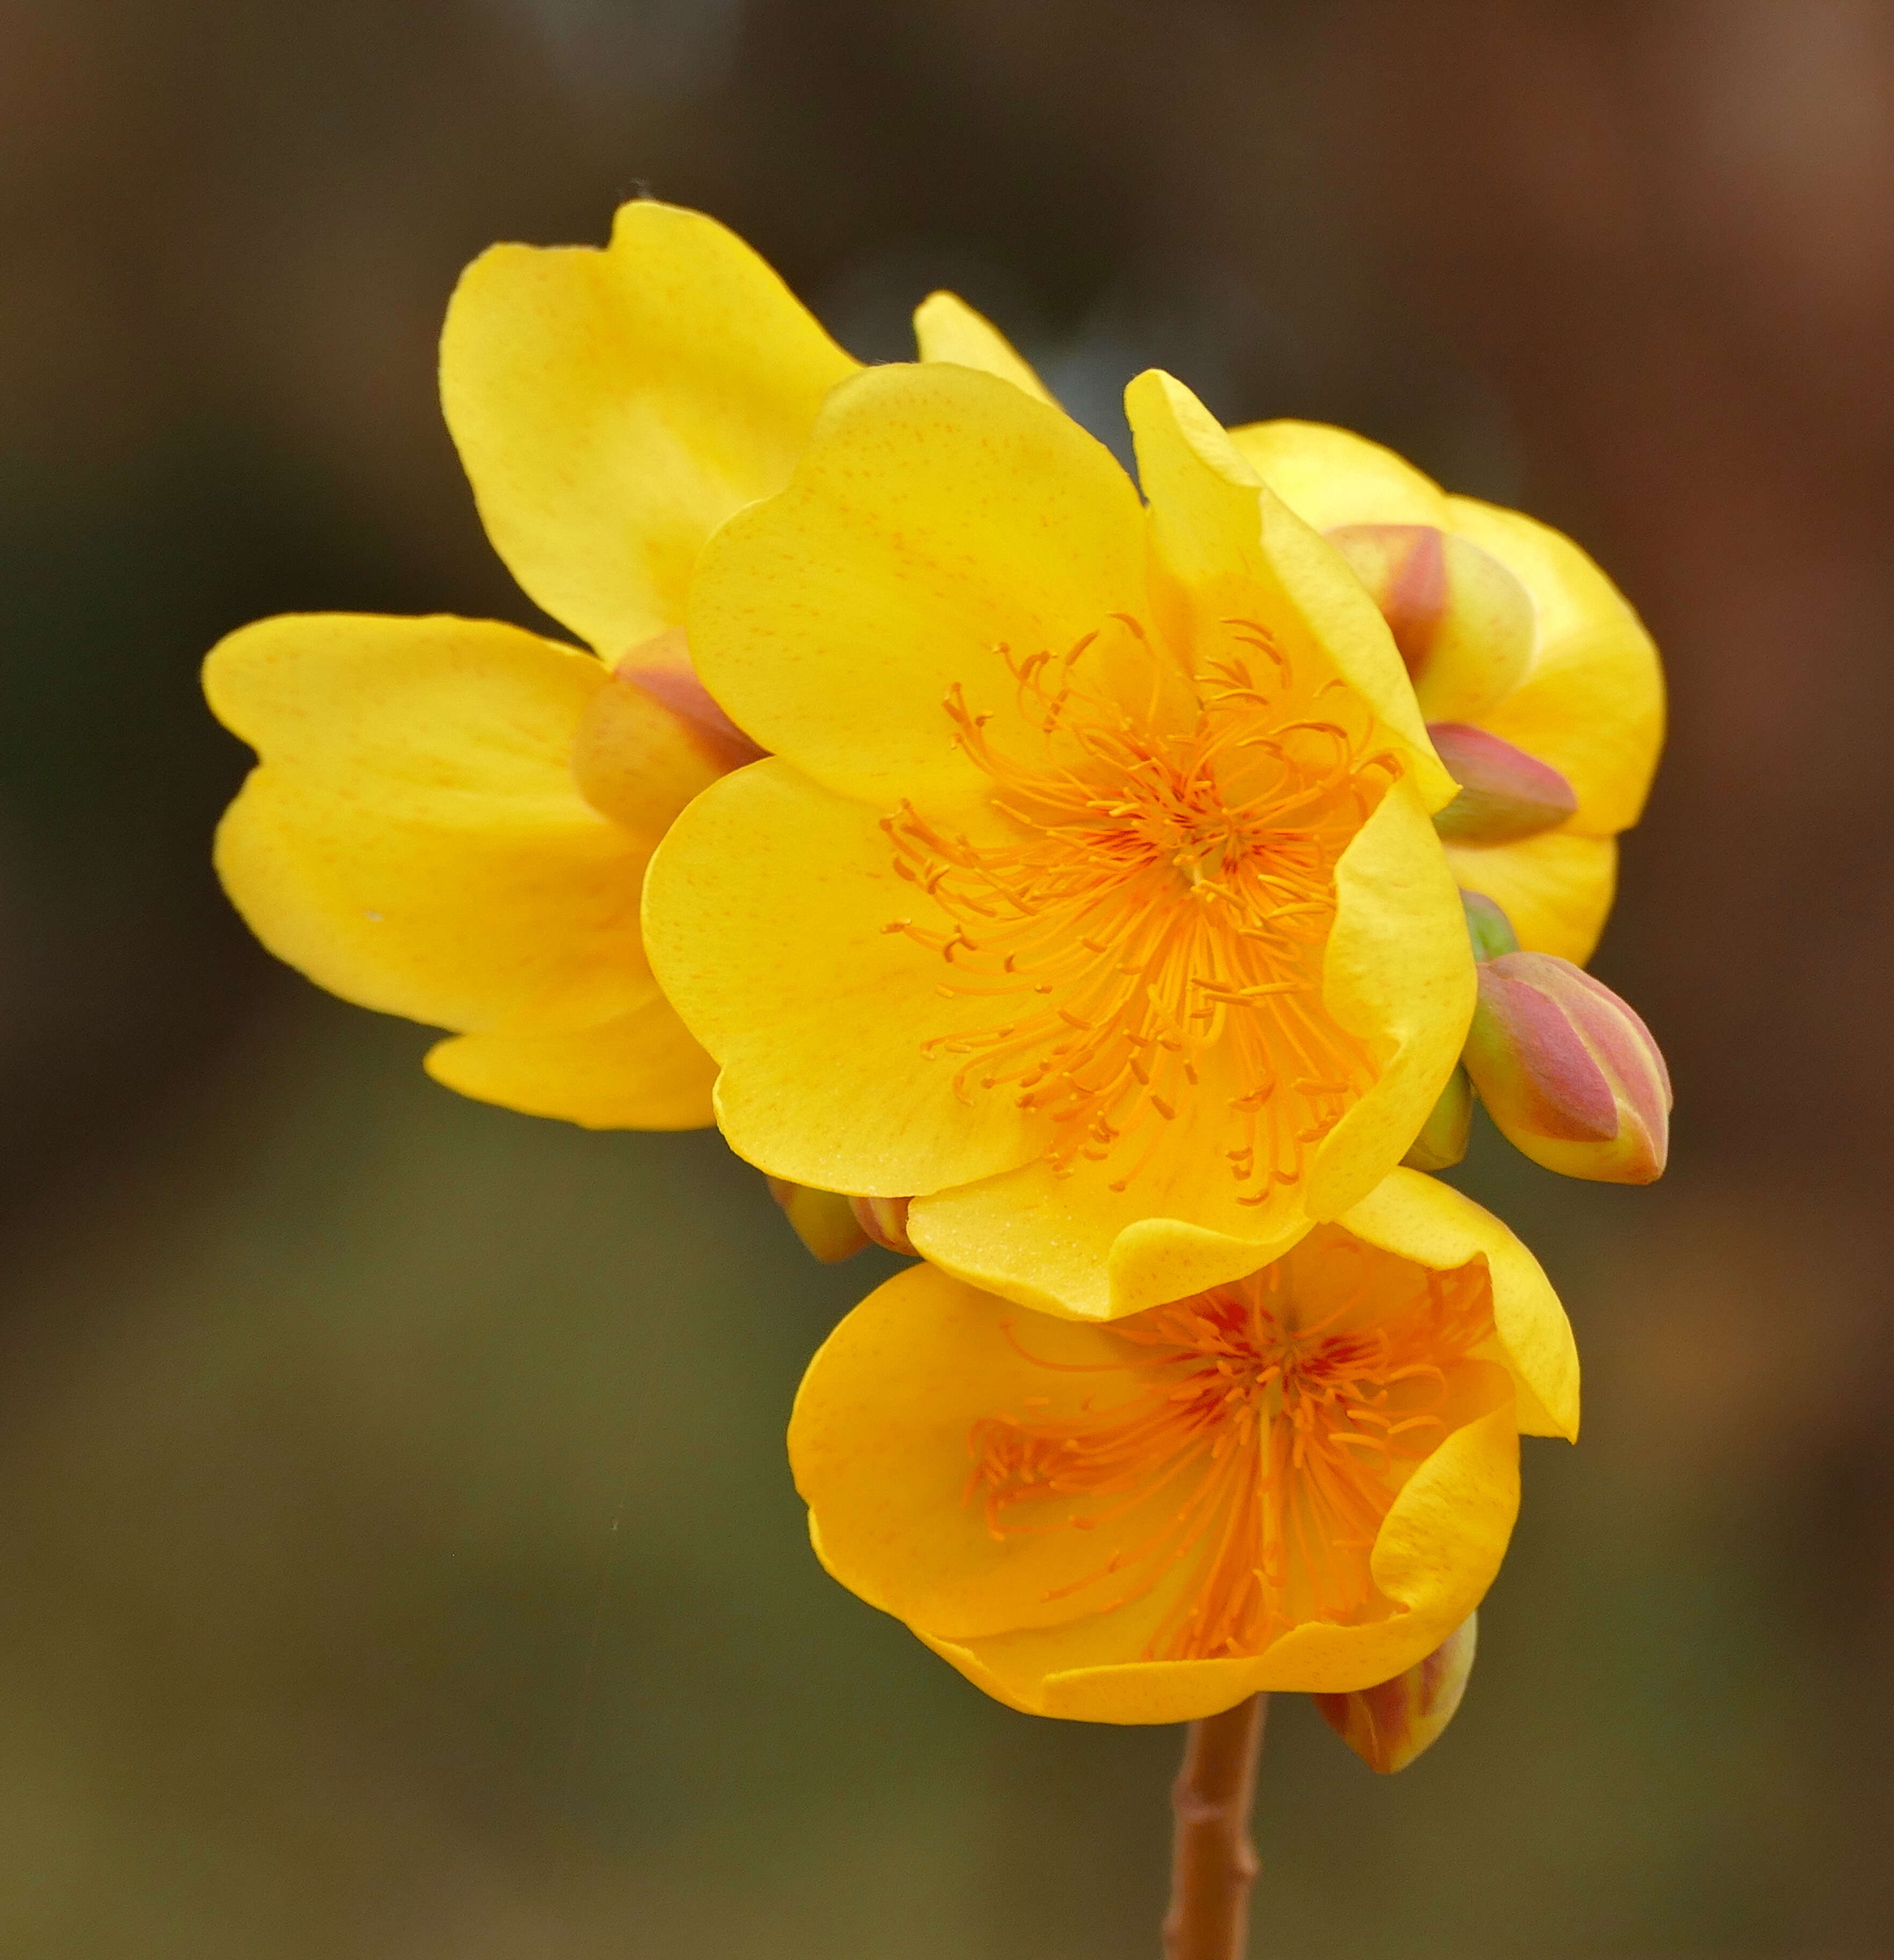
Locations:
(1089, 896)
(1534, 674)
(451, 818)
(1304, 1480)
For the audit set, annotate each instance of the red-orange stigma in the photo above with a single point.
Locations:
(1251, 1459)
(1158, 916)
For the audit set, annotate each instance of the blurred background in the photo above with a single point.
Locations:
(397, 1555)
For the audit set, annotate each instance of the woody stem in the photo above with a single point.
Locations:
(1213, 1863)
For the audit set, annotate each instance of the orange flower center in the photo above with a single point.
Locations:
(1247, 1456)
(1156, 920)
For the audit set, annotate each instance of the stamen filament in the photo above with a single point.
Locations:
(1160, 909)
(1284, 1438)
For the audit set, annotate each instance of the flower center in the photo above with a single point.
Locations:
(1156, 920)
(1246, 1459)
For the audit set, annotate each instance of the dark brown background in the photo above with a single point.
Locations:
(396, 1555)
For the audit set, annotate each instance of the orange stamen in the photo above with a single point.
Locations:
(1252, 1454)
(1157, 925)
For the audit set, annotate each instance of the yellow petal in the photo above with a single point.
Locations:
(1556, 890)
(639, 1070)
(983, 1677)
(1068, 1244)
(939, 517)
(1237, 551)
(1431, 1222)
(1592, 704)
(766, 911)
(1398, 972)
(1466, 626)
(612, 407)
(1036, 1673)
(1394, 1723)
(878, 1441)
(1395, 974)
(1437, 1551)
(946, 328)
(1330, 476)
(413, 839)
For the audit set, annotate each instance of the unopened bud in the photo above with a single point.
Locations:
(1488, 927)
(1466, 626)
(1389, 1725)
(1505, 794)
(885, 1219)
(824, 1220)
(652, 737)
(1568, 1071)
(1442, 1140)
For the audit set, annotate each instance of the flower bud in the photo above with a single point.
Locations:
(1466, 626)
(1442, 1140)
(1505, 794)
(1569, 1073)
(885, 1220)
(651, 738)
(1387, 1726)
(1488, 926)
(824, 1220)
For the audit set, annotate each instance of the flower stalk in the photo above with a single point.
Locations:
(1213, 1859)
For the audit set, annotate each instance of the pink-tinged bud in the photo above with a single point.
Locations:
(1466, 626)
(824, 1220)
(885, 1219)
(1505, 794)
(1388, 1726)
(652, 737)
(1442, 1142)
(1569, 1073)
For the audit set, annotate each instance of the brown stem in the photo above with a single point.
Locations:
(1213, 1863)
